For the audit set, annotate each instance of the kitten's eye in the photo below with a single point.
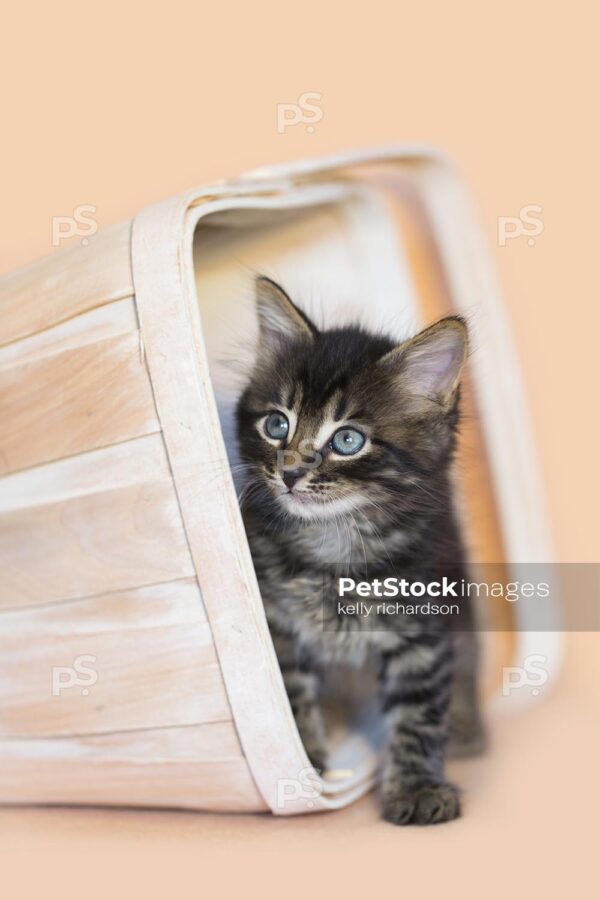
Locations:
(347, 441)
(277, 426)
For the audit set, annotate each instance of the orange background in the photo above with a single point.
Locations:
(116, 105)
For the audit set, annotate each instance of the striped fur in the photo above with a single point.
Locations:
(385, 510)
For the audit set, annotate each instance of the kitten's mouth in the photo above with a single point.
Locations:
(298, 497)
(308, 506)
(296, 500)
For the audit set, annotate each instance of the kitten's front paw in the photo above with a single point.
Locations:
(425, 805)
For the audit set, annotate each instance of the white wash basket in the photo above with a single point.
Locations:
(136, 666)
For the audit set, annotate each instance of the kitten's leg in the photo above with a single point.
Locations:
(301, 678)
(467, 733)
(415, 682)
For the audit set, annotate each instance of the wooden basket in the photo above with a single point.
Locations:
(136, 667)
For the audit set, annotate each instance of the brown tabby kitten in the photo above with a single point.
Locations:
(348, 439)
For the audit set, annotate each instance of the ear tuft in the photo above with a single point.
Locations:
(279, 319)
(430, 365)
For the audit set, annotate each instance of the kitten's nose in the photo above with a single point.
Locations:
(291, 476)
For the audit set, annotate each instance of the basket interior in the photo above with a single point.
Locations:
(366, 257)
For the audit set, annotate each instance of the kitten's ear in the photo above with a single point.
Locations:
(428, 367)
(279, 319)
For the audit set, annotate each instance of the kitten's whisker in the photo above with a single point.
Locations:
(220, 468)
(376, 531)
(358, 531)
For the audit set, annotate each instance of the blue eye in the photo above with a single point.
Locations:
(277, 426)
(347, 441)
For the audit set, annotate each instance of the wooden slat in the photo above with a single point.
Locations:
(91, 544)
(147, 678)
(123, 679)
(111, 320)
(221, 787)
(83, 398)
(169, 603)
(211, 742)
(132, 462)
(66, 283)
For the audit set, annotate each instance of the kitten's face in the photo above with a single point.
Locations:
(342, 422)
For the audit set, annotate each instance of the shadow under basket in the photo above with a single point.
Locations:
(136, 665)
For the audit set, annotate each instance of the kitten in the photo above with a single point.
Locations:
(348, 438)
